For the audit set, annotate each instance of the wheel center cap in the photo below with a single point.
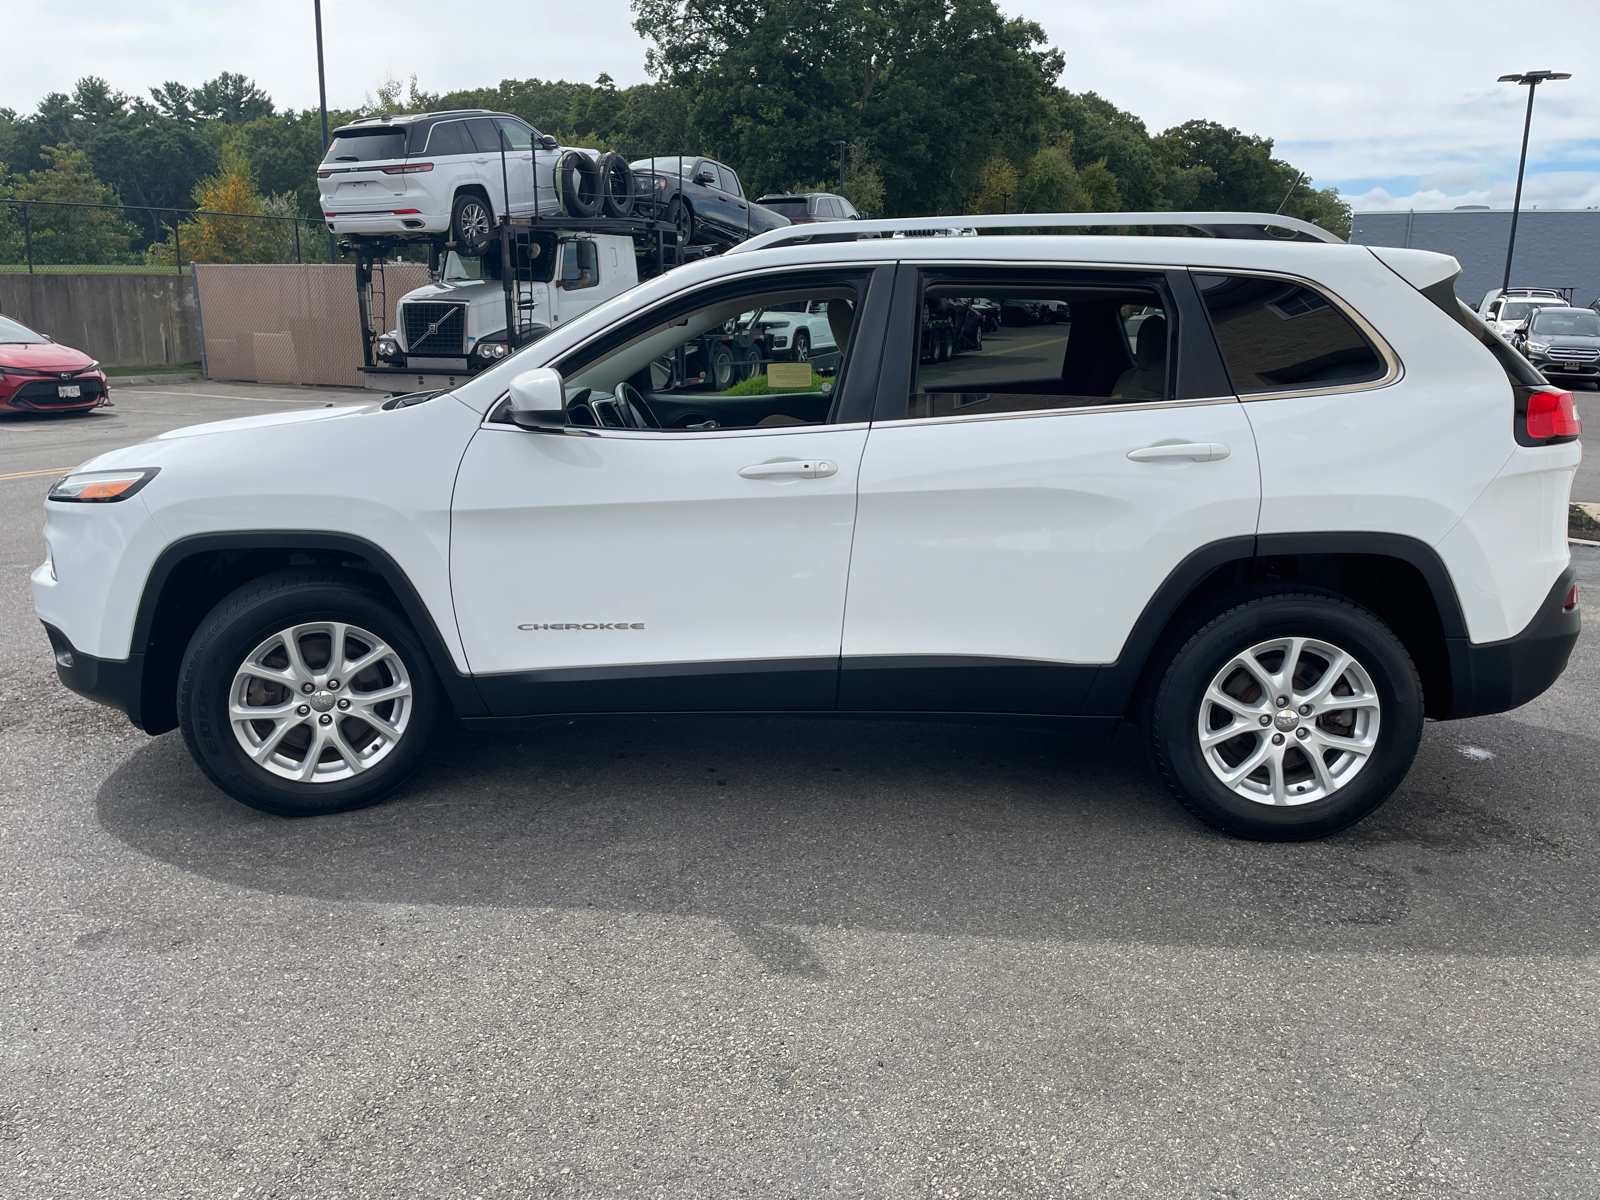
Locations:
(1286, 719)
(323, 701)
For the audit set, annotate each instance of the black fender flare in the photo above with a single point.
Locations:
(460, 687)
(1115, 683)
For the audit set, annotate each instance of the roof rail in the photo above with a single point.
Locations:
(1217, 224)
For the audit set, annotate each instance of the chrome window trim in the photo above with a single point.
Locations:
(1394, 369)
(1141, 406)
(669, 435)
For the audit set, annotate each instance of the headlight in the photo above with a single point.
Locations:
(387, 347)
(491, 350)
(1538, 347)
(101, 487)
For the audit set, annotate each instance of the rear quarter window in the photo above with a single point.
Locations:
(1277, 335)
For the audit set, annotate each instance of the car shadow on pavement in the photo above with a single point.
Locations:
(979, 830)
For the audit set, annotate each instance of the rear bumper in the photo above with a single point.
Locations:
(116, 683)
(1494, 677)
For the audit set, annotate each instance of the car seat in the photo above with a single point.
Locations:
(1147, 378)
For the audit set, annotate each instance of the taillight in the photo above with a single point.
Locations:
(1571, 601)
(408, 169)
(1551, 414)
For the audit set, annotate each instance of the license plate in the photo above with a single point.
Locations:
(69, 391)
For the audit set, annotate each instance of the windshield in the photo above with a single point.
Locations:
(12, 333)
(1576, 322)
(1516, 312)
(667, 166)
(366, 145)
(459, 270)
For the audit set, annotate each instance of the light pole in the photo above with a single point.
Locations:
(843, 146)
(1531, 80)
(322, 95)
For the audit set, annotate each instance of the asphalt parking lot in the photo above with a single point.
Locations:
(776, 958)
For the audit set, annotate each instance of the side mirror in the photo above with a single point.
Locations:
(547, 141)
(539, 400)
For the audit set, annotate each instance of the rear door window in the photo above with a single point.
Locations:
(449, 137)
(484, 134)
(1277, 335)
(998, 347)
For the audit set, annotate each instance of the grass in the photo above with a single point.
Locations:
(90, 269)
(757, 385)
(157, 369)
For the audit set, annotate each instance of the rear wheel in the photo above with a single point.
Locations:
(750, 363)
(1286, 718)
(471, 223)
(721, 368)
(306, 693)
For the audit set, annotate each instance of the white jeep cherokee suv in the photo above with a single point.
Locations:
(1311, 502)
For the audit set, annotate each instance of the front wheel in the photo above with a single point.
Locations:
(305, 693)
(1286, 718)
(681, 217)
(802, 346)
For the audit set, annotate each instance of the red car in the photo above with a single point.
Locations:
(36, 375)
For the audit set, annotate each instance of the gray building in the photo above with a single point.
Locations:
(1555, 247)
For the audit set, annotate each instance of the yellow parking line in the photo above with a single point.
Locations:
(31, 474)
(1025, 346)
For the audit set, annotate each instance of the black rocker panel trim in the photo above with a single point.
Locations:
(1044, 721)
(962, 683)
(460, 688)
(778, 685)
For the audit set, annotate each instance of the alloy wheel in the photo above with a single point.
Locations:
(320, 702)
(1289, 721)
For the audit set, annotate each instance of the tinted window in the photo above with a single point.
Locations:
(448, 137)
(1517, 311)
(367, 145)
(518, 135)
(793, 207)
(707, 173)
(848, 208)
(1576, 322)
(484, 134)
(730, 182)
(666, 166)
(999, 348)
(1276, 335)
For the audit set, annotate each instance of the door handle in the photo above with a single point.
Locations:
(801, 468)
(1199, 451)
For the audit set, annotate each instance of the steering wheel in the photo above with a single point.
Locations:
(635, 412)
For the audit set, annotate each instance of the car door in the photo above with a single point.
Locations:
(1021, 504)
(695, 563)
(710, 201)
(519, 164)
(735, 205)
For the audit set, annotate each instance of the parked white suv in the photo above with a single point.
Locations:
(1313, 501)
(449, 173)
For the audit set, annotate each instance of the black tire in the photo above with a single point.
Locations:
(750, 363)
(802, 346)
(1174, 710)
(471, 225)
(251, 617)
(721, 367)
(578, 184)
(681, 215)
(616, 185)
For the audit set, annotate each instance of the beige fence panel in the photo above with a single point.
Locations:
(269, 323)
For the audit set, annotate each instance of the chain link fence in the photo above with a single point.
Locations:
(61, 237)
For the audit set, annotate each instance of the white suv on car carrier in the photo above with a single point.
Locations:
(1312, 501)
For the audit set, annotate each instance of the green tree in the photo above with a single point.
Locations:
(1244, 177)
(71, 234)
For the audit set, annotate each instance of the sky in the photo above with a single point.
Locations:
(1394, 103)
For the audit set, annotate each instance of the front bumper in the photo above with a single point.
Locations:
(406, 379)
(116, 683)
(41, 393)
(1494, 677)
